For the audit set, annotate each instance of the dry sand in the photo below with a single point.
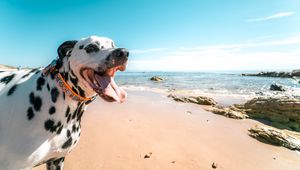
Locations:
(179, 136)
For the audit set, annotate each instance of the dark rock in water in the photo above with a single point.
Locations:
(283, 113)
(259, 93)
(266, 134)
(155, 78)
(271, 74)
(276, 87)
(296, 73)
(201, 100)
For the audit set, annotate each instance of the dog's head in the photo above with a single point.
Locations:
(94, 61)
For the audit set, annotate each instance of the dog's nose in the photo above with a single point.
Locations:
(120, 53)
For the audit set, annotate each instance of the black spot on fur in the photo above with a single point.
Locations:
(30, 113)
(74, 115)
(55, 164)
(40, 82)
(48, 87)
(52, 110)
(91, 48)
(54, 94)
(68, 133)
(7, 79)
(77, 110)
(12, 90)
(80, 115)
(66, 76)
(74, 90)
(73, 128)
(67, 112)
(68, 143)
(81, 92)
(36, 101)
(64, 95)
(52, 127)
(88, 102)
(69, 118)
(49, 124)
(59, 129)
(59, 123)
(74, 81)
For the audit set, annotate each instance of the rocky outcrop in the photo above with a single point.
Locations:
(296, 73)
(276, 137)
(229, 112)
(156, 78)
(282, 74)
(277, 87)
(201, 100)
(283, 113)
(271, 74)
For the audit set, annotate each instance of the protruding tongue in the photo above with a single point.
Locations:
(110, 88)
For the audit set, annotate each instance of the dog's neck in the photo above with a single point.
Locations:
(75, 81)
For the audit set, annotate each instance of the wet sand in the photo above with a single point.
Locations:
(173, 135)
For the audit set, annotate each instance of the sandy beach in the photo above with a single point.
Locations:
(172, 135)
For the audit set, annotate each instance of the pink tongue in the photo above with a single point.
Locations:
(110, 88)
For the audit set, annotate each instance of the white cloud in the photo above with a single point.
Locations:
(249, 56)
(275, 16)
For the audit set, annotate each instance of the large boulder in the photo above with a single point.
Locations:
(296, 73)
(276, 137)
(201, 100)
(283, 113)
(277, 87)
(156, 78)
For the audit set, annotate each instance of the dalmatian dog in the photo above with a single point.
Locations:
(41, 109)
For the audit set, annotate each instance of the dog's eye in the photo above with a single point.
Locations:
(81, 47)
(91, 48)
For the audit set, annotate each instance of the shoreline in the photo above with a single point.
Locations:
(178, 135)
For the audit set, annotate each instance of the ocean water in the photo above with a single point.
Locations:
(209, 83)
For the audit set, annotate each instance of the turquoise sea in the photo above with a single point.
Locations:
(220, 83)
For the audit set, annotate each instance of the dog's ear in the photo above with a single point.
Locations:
(65, 47)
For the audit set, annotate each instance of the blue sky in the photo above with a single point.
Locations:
(173, 35)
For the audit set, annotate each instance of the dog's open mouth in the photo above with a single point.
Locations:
(103, 83)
